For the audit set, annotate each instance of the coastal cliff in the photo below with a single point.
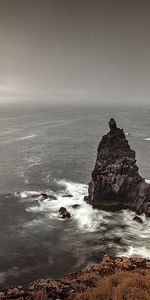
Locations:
(119, 278)
(116, 183)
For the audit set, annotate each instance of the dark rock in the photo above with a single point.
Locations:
(52, 197)
(86, 198)
(137, 219)
(116, 183)
(112, 124)
(103, 224)
(76, 206)
(64, 213)
(44, 195)
(67, 196)
(47, 196)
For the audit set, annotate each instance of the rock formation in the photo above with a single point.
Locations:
(116, 183)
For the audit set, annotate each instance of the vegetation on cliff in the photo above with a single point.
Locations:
(120, 278)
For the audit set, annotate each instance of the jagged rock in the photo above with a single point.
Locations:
(116, 183)
(137, 219)
(64, 213)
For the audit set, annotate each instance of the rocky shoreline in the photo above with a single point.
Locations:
(75, 285)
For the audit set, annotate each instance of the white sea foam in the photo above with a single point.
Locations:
(147, 180)
(26, 137)
(135, 236)
(27, 194)
(147, 139)
(86, 218)
(23, 138)
(33, 161)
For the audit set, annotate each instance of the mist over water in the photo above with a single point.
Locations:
(53, 149)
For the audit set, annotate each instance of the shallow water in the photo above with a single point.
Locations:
(54, 150)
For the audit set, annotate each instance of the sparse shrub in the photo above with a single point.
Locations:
(133, 285)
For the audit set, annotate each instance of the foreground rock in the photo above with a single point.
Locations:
(75, 285)
(116, 183)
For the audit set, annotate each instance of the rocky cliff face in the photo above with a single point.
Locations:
(116, 183)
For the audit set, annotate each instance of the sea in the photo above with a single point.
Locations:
(52, 149)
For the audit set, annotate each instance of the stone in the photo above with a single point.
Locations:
(44, 195)
(137, 219)
(116, 183)
(64, 213)
(48, 196)
(76, 206)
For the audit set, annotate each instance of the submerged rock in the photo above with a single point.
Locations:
(48, 196)
(64, 213)
(116, 183)
(67, 196)
(137, 219)
(76, 206)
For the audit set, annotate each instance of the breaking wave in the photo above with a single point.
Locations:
(117, 228)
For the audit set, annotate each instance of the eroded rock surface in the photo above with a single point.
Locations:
(116, 183)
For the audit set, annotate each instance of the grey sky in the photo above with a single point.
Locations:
(75, 50)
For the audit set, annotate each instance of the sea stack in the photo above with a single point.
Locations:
(116, 183)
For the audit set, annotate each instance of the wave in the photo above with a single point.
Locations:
(10, 140)
(27, 194)
(87, 219)
(147, 180)
(133, 237)
(33, 161)
(27, 137)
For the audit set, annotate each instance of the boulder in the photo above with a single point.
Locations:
(138, 219)
(64, 213)
(116, 183)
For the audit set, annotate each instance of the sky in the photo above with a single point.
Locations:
(75, 51)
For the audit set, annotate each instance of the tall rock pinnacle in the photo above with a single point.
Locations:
(116, 183)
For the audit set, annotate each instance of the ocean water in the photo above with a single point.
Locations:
(53, 150)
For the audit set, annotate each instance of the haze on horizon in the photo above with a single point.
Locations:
(72, 51)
